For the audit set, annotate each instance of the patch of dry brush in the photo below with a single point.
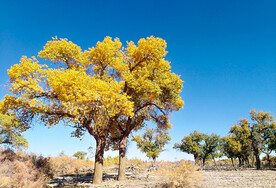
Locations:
(179, 174)
(19, 171)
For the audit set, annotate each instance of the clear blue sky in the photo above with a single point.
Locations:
(225, 52)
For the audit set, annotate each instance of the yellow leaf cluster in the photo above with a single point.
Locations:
(150, 49)
(240, 137)
(62, 50)
(105, 56)
(76, 88)
(26, 76)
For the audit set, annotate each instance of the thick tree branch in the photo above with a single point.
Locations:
(137, 64)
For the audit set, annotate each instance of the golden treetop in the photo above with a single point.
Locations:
(92, 87)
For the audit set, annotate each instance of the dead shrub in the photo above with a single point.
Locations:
(5, 173)
(178, 174)
(16, 171)
(5, 182)
(26, 175)
(272, 161)
(67, 165)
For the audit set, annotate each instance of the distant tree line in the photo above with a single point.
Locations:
(245, 139)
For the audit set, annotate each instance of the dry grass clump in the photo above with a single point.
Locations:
(269, 164)
(33, 171)
(17, 171)
(226, 161)
(138, 163)
(273, 161)
(67, 165)
(178, 174)
(111, 161)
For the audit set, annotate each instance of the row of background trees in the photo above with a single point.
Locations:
(245, 139)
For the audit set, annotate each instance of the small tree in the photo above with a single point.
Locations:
(80, 155)
(210, 147)
(229, 148)
(239, 141)
(191, 144)
(152, 142)
(201, 145)
(61, 154)
(10, 131)
(269, 142)
(263, 130)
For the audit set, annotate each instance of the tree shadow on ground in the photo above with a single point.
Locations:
(76, 180)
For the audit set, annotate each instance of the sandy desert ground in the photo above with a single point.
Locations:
(211, 179)
(243, 178)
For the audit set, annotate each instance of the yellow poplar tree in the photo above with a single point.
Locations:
(240, 142)
(107, 90)
(82, 92)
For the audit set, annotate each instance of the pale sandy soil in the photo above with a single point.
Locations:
(244, 179)
(210, 179)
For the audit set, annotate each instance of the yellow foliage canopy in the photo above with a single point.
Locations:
(92, 88)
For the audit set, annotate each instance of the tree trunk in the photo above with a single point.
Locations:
(203, 161)
(268, 159)
(154, 161)
(98, 169)
(122, 159)
(240, 163)
(258, 161)
(196, 160)
(232, 162)
(247, 162)
(215, 162)
(252, 160)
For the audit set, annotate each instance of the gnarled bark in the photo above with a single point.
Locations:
(122, 159)
(257, 157)
(98, 169)
(197, 159)
(268, 159)
(258, 162)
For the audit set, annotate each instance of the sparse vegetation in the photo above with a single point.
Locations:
(179, 174)
(67, 165)
(21, 170)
